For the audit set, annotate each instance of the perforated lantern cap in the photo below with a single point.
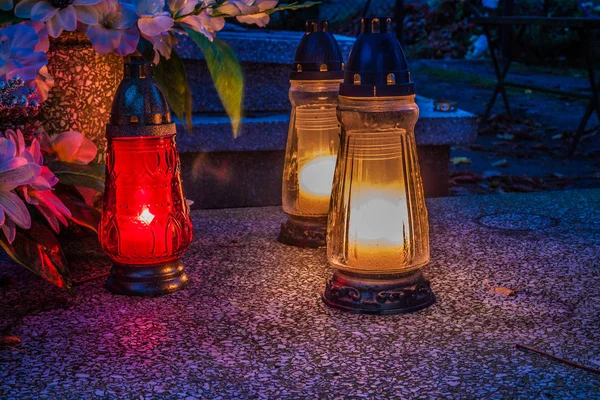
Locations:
(318, 55)
(377, 65)
(139, 107)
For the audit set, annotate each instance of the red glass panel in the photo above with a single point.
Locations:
(145, 218)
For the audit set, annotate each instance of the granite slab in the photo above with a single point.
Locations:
(252, 323)
(266, 58)
(268, 131)
(258, 45)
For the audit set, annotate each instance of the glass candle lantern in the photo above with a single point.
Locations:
(313, 137)
(378, 233)
(145, 226)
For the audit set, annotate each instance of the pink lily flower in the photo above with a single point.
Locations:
(38, 192)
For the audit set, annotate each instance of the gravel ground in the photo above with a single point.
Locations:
(252, 324)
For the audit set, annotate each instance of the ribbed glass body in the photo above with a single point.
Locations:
(312, 146)
(378, 219)
(145, 218)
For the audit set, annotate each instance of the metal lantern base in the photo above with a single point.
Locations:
(304, 231)
(147, 280)
(378, 294)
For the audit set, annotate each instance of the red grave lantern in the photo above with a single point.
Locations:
(145, 226)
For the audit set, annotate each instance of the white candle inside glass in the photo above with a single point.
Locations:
(378, 229)
(315, 180)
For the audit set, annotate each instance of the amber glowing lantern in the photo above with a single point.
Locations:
(378, 234)
(145, 226)
(313, 137)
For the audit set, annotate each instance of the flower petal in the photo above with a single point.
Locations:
(67, 18)
(54, 28)
(87, 15)
(129, 41)
(66, 144)
(104, 40)
(10, 230)
(43, 83)
(264, 5)
(153, 26)
(149, 7)
(15, 209)
(17, 139)
(42, 33)
(43, 11)
(21, 175)
(261, 19)
(44, 140)
(175, 5)
(23, 8)
(126, 17)
(21, 36)
(36, 153)
(229, 9)
(86, 153)
(39, 184)
(7, 149)
(49, 176)
(85, 2)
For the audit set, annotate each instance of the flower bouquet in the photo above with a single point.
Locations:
(48, 179)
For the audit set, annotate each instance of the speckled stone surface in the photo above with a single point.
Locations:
(259, 46)
(252, 324)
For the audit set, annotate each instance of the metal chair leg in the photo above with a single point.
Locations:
(594, 104)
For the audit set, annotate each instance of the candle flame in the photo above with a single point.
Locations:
(316, 176)
(146, 216)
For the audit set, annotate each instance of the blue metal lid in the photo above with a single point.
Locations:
(318, 55)
(377, 65)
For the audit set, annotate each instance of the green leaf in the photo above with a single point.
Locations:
(38, 250)
(81, 213)
(172, 79)
(91, 175)
(226, 73)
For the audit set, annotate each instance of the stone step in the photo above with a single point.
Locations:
(268, 131)
(266, 58)
(222, 171)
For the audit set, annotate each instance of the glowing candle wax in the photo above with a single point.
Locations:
(315, 181)
(377, 229)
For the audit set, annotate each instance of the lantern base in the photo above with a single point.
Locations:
(304, 231)
(378, 294)
(147, 280)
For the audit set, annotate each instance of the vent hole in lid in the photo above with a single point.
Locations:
(388, 23)
(375, 25)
